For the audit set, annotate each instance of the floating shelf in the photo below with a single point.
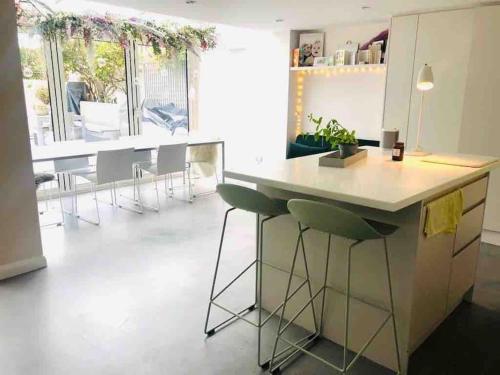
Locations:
(367, 67)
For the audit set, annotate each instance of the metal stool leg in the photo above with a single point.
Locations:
(273, 356)
(259, 276)
(347, 306)
(323, 298)
(391, 299)
(212, 331)
(305, 341)
(308, 279)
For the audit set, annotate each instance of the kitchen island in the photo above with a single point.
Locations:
(431, 275)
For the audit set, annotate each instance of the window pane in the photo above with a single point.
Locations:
(36, 89)
(96, 90)
(162, 93)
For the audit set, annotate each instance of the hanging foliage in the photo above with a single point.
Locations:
(164, 38)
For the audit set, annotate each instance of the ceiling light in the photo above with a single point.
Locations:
(365, 7)
(279, 20)
(190, 2)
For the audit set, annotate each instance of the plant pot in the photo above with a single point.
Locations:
(347, 150)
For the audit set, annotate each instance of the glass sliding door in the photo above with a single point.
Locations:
(95, 90)
(163, 93)
(36, 89)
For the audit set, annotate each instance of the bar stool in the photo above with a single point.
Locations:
(240, 197)
(335, 221)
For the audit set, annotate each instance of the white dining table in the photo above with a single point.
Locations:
(80, 149)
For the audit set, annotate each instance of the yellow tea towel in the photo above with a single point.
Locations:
(444, 214)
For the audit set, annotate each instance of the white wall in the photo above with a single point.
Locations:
(20, 243)
(356, 99)
(243, 93)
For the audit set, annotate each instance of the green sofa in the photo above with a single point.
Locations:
(305, 144)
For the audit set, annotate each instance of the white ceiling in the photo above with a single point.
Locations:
(297, 14)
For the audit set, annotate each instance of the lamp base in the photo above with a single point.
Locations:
(417, 152)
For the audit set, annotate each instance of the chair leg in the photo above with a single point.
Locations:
(212, 331)
(47, 196)
(134, 171)
(282, 315)
(60, 200)
(308, 279)
(139, 197)
(111, 196)
(347, 308)
(96, 204)
(155, 179)
(75, 189)
(114, 193)
(190, 188)
(391, 300)
(323, 298)
(259, 275)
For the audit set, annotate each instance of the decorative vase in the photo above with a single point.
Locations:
(347, 150)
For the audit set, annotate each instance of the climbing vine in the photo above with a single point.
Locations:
(163, 38)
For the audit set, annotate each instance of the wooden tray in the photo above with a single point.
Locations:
(333, 159)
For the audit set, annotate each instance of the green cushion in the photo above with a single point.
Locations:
(337, 221)
(251, 200)
(308, 140)
(296, 150)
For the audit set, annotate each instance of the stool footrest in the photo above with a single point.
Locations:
(351, 363)
(309, 339)
(227, 322)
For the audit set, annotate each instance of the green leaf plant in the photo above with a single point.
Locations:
(333, 133)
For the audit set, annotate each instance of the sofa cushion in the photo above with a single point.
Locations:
(296, 150)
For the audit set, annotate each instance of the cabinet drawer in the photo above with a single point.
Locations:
(474, 192)
(463, 272)
(470, 227)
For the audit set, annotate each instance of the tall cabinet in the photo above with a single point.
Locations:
(462, 112)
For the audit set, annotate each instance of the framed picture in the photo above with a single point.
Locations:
(364, 56)
(311, 46)
(323, 61)
(340, 57)
(295, 57)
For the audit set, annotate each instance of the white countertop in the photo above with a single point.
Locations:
(376, 182)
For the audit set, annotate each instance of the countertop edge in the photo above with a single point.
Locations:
(380, 205)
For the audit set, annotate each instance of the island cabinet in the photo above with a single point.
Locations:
(446, 263)
(431, 275)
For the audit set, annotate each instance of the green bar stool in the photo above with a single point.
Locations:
(334, 221)
(240, 197)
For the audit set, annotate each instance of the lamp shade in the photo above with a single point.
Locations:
(425, 78)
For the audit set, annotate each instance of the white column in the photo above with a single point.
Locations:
(20, 242)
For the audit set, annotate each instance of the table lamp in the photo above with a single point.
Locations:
(425, 82)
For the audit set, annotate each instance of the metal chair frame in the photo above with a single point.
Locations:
(168, 161)
(105, 174)
(47, 199)
(346, 366)
(240, 315)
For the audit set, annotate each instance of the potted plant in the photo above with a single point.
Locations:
(336, 135)
(42, 107)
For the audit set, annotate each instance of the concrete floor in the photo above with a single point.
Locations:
(130, 297)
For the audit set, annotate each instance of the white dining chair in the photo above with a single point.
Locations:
(170, 159)
(111, 166)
